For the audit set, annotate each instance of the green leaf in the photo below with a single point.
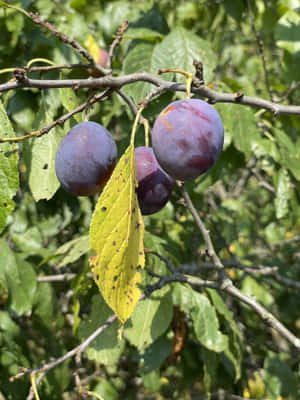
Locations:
(143, 34)
(116, 235)
(283, 193)
(18, 278)
(40, 153)
(70, 101)
(181, 47)
(150, 319)
(72, 250)
(289, 152)
(259, 291)
(43, 182)
(9, 176)
(106, 348)
(206, 324)
(244, 130)
(43, 303)
(141, 59)
(155, 354)
(210, 360)
(287, 32)
(279, 378)
(234, 352)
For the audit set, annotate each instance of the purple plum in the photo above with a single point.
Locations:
(187, 138)
(85, 159)
(154, 185)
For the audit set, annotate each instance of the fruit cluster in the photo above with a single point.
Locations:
(187, 139)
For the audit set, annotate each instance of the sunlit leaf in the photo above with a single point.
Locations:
(116, 235)
(92, 47)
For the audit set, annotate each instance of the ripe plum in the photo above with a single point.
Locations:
(187, 138)
(85, 159)
(154, 185)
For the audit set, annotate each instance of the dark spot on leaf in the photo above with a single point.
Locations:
(115, 278)
(5, 204)
(103, 209)
(97, 277)
(137, 225)
(45, 166)
(113, 243)
(113, 288)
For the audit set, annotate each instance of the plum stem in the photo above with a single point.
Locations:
(135, 124)
(33, 384)
(189, 78)
(146, 128)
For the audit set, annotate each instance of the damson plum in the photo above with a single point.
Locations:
(187, 138)
(154, 185)
(85, 159)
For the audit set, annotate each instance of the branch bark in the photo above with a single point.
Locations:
(120, 81)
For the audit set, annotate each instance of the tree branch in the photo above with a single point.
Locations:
(164, 85)
(227, 286)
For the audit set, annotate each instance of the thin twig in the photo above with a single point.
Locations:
(60, 121)
(78, 349)
(61, 36)
(260, 45)
(117, 41)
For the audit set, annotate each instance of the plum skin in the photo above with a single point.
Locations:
(154, 185)
(187, 138)
(102, 60)
(85, 159)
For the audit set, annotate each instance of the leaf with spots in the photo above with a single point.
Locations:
(116, 235)
(9, 176)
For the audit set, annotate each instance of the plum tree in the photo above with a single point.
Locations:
(85, 159)
(187, 138)
(154, 185)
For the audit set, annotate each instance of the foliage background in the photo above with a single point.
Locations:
(249, 202)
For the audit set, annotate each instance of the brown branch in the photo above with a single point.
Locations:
(76, 350)
(61, 36)
(120, 81)
(54, 67)
(227, 286)
(117, 41)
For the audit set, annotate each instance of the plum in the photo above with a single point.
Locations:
(187, 138)
(154, 185)
(85, 159)
(102, 60)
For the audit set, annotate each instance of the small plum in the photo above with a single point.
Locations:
(103, 58)
(85, 159)
(154, 185)
(102, 61)
(187, 138)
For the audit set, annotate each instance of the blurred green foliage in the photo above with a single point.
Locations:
(250, 203)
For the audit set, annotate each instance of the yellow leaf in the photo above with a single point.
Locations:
(92, 47)
(116, 235)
